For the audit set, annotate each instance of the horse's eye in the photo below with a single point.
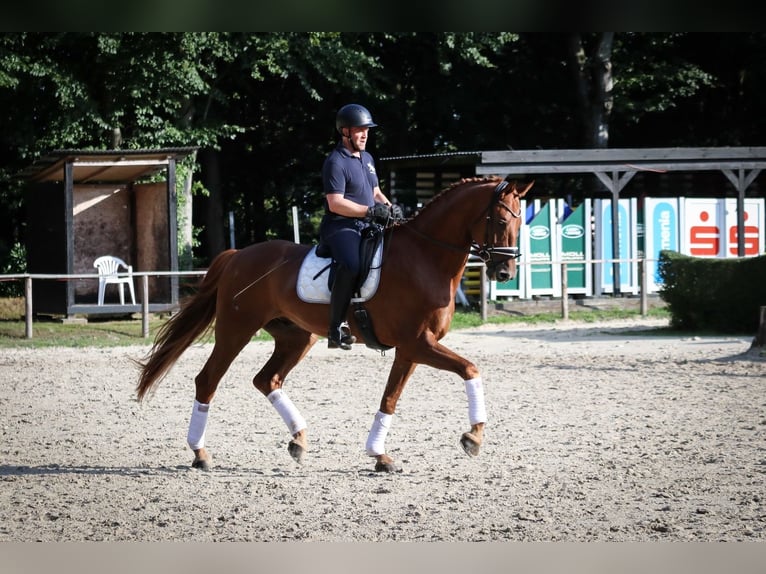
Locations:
(503, 222)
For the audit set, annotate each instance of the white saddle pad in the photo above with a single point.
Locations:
(313, 289)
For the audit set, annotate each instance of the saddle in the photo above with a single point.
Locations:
(312, 287)
(318, 269)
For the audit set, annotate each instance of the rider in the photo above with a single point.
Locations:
(353, 200)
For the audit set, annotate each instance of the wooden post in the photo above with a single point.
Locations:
(28, 307)
(145, 306)
(564, 291)
(483, 292)
(642, 278)
(760, 337)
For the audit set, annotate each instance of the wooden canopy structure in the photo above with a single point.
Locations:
(82, 204)
(614, 169)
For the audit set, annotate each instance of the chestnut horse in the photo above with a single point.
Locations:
(255, 288)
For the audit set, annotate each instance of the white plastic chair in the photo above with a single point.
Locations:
(108, 267)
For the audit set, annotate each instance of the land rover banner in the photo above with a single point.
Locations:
(574, 241)
(514, 287)
(541, 275)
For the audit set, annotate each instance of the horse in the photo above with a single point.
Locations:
(412, 308)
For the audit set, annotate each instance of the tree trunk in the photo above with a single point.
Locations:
(760, 336)
(602, 101)
(185, 226)
(214, 221)
(593, 85)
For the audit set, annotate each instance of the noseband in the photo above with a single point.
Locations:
(487, 251)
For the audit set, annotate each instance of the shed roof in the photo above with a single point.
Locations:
(552, 161)
(91, 166)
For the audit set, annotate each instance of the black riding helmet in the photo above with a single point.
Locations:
(353, 116)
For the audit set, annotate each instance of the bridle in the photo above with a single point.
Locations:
(487, 251)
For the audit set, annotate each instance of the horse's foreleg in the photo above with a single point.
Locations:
(477, 416)
(376, 439)
(436, 355)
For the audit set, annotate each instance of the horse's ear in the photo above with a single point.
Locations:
(523, 192)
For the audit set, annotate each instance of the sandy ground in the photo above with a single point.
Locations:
(597, 432)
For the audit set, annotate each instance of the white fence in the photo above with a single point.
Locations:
(143, 290)
(489, 290)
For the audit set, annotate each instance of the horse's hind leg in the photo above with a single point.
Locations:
(400, 372)
(291, 343)
(206, 382)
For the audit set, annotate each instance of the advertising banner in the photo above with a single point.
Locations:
(543, 278)
(574, 238)
(709, 227)
(627, 222)
(754, 227)
(661, 231)
(514, 287)
(702, 227)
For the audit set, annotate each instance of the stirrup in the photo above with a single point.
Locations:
(340, 337)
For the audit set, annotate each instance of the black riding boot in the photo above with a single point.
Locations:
(340, 297)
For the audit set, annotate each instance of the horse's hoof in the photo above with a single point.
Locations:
(470, 444)
(202, 464)
(296, 451)
(381, 466)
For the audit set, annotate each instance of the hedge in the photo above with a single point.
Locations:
(723, 295)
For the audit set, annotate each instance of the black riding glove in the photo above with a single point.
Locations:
(379, 213)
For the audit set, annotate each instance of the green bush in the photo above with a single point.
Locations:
(722, 295)
(13, 261)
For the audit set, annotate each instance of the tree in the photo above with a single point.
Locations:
(261, 106)
(78, 90)
(591, 65)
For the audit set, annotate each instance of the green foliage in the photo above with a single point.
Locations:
(265, 102)
(723, 295)
(14, 263)
(658, 81)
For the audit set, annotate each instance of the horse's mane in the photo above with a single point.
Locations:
(444, 192)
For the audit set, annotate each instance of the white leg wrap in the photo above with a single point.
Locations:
(477, 412)
(376, 440)
(286, 409)
(197, 425)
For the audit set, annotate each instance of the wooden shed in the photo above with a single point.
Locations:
(82, 204)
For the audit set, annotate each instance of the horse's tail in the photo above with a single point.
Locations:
(190, 323)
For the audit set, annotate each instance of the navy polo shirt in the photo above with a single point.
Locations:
(354, 177)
